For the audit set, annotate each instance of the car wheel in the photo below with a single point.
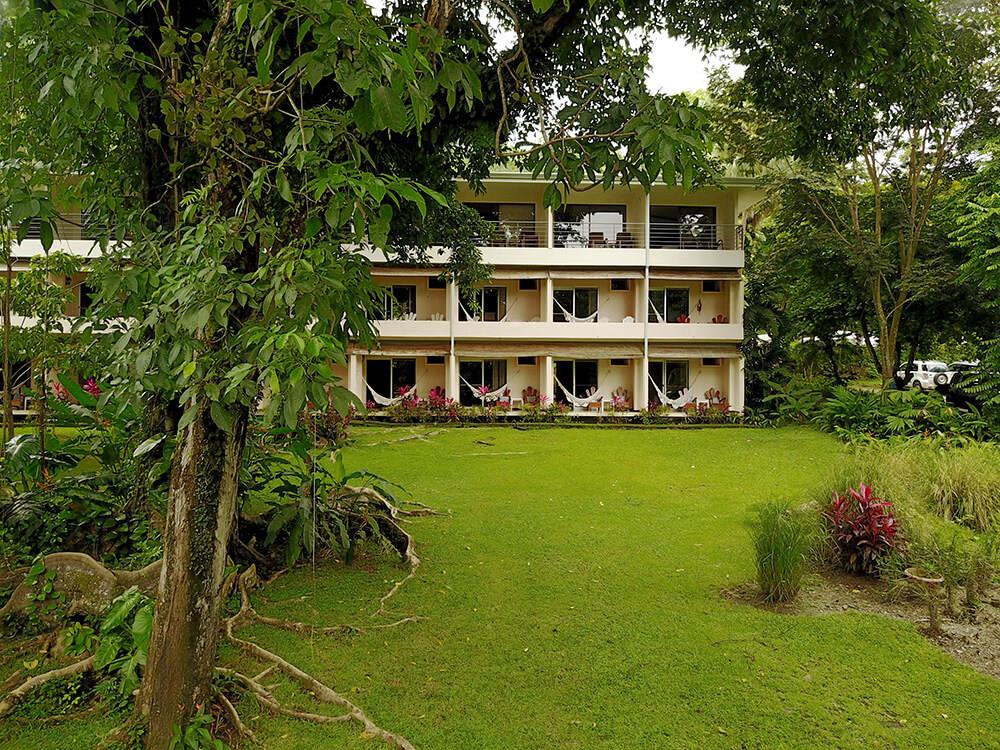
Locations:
(941, 379)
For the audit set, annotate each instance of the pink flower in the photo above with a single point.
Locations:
(92, 387)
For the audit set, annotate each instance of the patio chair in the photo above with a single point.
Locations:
(530, 396)
(620, 398)
(503, 402)
(529, 238)
(596, 239)
(594, 401)
(625, 239)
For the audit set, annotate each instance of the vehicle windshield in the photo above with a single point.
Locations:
(937, 367)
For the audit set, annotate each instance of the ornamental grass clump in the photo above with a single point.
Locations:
(781, 538)
(863, 527)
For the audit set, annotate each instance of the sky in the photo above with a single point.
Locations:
(676, 66)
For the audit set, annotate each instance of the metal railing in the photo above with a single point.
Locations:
(68, 226)
(615, 234)
(684, 236)
(515, 234)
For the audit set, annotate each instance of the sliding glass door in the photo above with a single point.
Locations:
(578, 376)
(670, 376)
(388, 377)
(490, 374)
(575, 304)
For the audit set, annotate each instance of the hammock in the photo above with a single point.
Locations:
(470, 316)
(579, 402)
(686, 396)
(483, 397)
(656, 312)
(383, 400)
(592, 318)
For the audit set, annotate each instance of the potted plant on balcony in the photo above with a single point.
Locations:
(682, 318)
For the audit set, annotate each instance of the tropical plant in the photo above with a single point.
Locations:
(864, 528)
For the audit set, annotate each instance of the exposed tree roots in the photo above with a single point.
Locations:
(16, 695)
(90, 587)
(322, 692)
(87, 585)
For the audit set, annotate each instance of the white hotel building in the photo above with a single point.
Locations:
(619, 299)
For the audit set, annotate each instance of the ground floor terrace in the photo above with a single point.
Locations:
(586, 380)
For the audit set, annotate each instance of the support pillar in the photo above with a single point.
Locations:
(642, 383)
(451, 387)
(548, 379)
(548, 289)
(355, 379)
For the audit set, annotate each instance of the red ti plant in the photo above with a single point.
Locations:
(864, 528)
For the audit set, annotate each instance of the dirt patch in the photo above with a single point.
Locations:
(971, 637)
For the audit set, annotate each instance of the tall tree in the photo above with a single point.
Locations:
(245, 147)
(875, 180)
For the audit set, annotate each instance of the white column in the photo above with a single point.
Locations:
(641, 383)
(738, 393)
(547, 291)
(737, 314)
(355, 380)
(451, 388)
(646, 233)
(548, 384)
(451, 303)
(550, 229)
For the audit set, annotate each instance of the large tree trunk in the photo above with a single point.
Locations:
(201, 510)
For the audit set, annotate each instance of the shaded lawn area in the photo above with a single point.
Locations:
(573, 601)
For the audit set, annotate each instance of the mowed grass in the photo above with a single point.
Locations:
(573, 600)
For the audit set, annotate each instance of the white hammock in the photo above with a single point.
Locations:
(659, 318)
(579, 402)
(384, 400)
(470, 316)
(571, 317)
(685, 397)
(483, 397)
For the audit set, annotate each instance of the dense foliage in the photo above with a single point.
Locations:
(864, 528)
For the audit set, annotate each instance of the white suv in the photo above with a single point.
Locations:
(926, 375)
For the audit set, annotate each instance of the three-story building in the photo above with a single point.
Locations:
(619, 299)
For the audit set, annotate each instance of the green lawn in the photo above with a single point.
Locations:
(573, 601)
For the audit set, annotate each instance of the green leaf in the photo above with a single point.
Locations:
(45, 234)
(120, 609)
(147, 445)
(69, 85)
(540, 6)
(107, 651)
(221, 416)
(284, 189)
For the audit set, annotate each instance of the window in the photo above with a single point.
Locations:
(480, 373)
(670, 377)
(620, 285)
(711, 361)
(512, 224)
(527, 285)
(401, 302)
(575, 305)
(682, 227)
(710, 286)
(575, 375)
(491, 301)
(619, 363)
(591, 225)
(387, 377)
(436, 282)
(527, 361)
(668, 305)
(86, 297)
(435, 359)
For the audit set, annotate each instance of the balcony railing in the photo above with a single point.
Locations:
(616, 234)
(515, 234)
(68, 226)
(670, 236)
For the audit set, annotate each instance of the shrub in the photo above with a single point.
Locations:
(966, 487)
(863, 527)
(781, 539)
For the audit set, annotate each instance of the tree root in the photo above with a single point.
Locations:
(234, 717)
(18, 694)
(307, 629)
(319, 690)
(88, 586)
